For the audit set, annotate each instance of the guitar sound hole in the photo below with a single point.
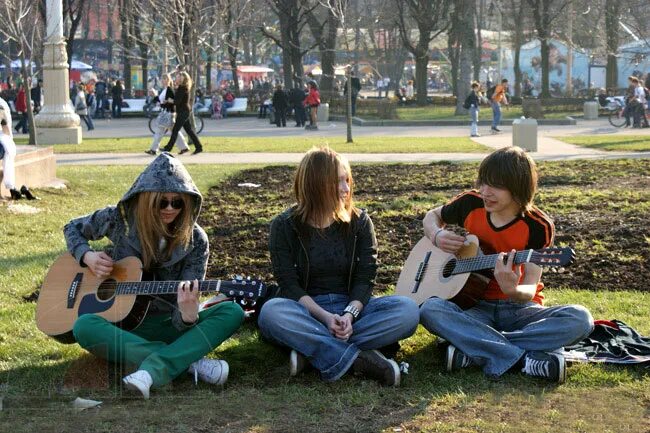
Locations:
(106, 290)
(449, 268)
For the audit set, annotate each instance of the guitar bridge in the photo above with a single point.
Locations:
(72, 290)
(422, 267)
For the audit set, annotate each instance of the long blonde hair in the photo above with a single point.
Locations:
(186, 80)
(151, 228)
(316, 187)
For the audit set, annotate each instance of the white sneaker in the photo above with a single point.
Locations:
(296, 363)
(139, 381)
(214, 371)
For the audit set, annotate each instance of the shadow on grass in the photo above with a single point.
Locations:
(260, 396)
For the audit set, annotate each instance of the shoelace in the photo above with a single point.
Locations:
(536, 367)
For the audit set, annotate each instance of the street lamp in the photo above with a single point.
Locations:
(494, 8)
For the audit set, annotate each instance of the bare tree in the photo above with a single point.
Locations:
(545, 12)
(339, 10)
(292, 19)
(323, 25)
(464, 21)
(612, 17)
(20, 23)
(431, 18)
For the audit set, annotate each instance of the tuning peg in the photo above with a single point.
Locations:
(243, 302)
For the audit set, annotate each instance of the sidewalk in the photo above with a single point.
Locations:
(549, 148)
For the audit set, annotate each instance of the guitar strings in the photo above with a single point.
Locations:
(489, 261)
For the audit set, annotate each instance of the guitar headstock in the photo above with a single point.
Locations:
(244, 289)
(554, 256)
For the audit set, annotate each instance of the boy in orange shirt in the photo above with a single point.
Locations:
(509, 327)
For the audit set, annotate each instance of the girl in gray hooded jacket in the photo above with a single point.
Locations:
(156, 222)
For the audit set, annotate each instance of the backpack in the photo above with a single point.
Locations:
(490, 92)
(467, 104)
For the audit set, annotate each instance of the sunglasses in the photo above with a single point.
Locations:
(176, 203)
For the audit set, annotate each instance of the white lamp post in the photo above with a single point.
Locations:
(57, 122)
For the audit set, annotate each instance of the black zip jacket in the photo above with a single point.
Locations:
(290, 259)
(182, 100)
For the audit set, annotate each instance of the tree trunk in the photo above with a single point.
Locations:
(478, 51)
(612, 15)
(26, 74)
(208, 76)
(328, 57)
(467, 49)
(545, 66)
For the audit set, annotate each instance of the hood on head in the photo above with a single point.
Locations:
(164, 174)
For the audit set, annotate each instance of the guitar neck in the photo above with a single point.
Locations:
(480, 263)
(168, 287)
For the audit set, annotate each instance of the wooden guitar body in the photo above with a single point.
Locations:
(425, 274)
(69, 291)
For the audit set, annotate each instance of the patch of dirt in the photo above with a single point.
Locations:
(610, 234)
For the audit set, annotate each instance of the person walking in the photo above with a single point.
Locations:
(183, 113)
(81, 107)
(280, 106)
(36, 95)
(118, 94)
(21, 109)
(165, 119)
(472, 103)
(313, 102)
(497, 99)
(355, 83)
(297, 97)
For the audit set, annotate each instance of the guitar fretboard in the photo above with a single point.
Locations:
(480, 263)
(171, 287)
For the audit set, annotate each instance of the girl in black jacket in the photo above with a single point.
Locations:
(324, 257)
(183, 113)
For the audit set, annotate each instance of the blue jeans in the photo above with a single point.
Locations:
(225, 105)
(382, 322)
(473, 115)
(496, 334)
(496, 114)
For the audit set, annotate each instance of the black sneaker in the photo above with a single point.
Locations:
(15, 194)
(372, 364)
(456, 360)
(27, 193)
(496, 130)
(550, 366)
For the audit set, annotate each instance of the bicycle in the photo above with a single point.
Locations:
(616, 107)
(152, 114)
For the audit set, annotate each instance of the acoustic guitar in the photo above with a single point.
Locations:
(429, 271)
(70, 291)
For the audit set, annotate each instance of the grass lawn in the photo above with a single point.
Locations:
(446, 113)
(40, 377)
(288, 145)
(633, 143)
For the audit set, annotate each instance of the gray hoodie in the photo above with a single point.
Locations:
(117, 223)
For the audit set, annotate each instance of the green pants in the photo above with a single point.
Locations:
(156, 345)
